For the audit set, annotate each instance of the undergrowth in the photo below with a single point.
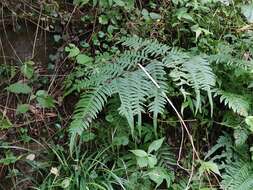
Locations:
(133, 95)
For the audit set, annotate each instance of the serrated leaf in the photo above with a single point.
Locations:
(139, 153)
(4, 122)
(240, 136)
(209, 166)
(152, 161)
(19, 88)
(22, 108)
(27, 69)
(73, 50)
(157, 176)
(155, 145)
(83, 59)
(44, 100)
(142, 161)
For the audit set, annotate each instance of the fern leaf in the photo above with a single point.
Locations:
(192, 71)
(152, 47)
(123, 86)
(239, 176)
(238, 103)
(87, 108)
(201, 77)
(158, 101)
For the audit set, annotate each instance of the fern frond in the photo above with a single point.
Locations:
(166, 157)
(192, 71)
(152, 47)
(226, 55)
(200, 77)
(158, 101)
(123, 86)
(130, 59)
(135, 89)
(238, 103)
(224, 143)
(239, 176)
(87, 108)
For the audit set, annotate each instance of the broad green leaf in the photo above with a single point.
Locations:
(157, 176)
(83, 59)
(22, 108)
(19, 88)
(152, 161)
(9, 159)
(87, 136)
(44, 100)
(145, 14)
(209, 166)
(183, 14)
(66, 183)
(4, 122)
(72, 49)
(247, 11)
(27, 69)
(251, 150)
(57, 38)
(155, 145)
(139, 153)
(142, 161)
(249, 122)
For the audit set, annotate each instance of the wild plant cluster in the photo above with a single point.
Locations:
(153, 95)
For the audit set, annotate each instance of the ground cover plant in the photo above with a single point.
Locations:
(133, 94)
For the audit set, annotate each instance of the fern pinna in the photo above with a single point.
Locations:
(137, 94)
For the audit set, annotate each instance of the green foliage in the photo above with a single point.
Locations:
(19, 88)
(44, 100)
(249, 122)
(144, 158)
(22, 108)
(238, 103)
(5, 123)
(238, 175)
(27, 69)
(133, 87)
(198, 52)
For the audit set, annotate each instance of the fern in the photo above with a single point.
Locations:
(236, 166)
(238, 103)
(226, 56)
(224, 143)
(165, 157)
(238, 176)
(136, 92)
(152, 47)
(87, 108)
(193, 71)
